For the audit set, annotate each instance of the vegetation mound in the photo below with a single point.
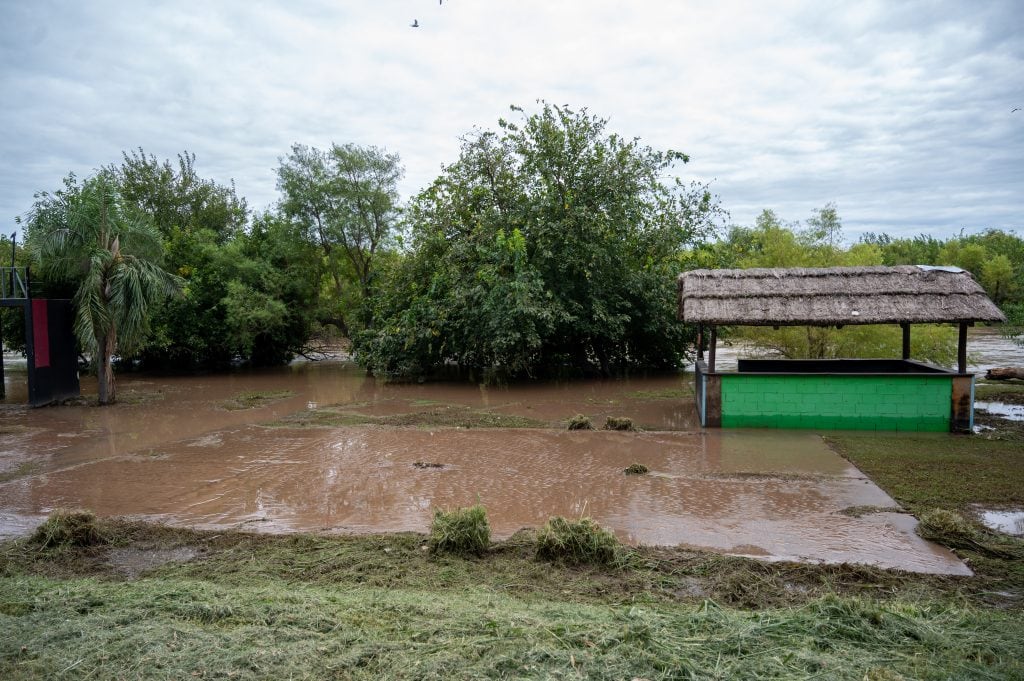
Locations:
(464, 531)
(619, 423)
(580, 542)
(953, 530)
(580, 422)
(636, 469)
(68, 528)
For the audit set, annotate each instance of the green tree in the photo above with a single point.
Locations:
(86, 234)
(345, 200)
(550, 245)
(770, 244)
(997, 278)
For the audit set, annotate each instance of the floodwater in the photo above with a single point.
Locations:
(1008, 522)
(188, 451)
(1010, 412)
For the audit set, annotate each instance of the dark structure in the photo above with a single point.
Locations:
(49, 339)
(884, 394)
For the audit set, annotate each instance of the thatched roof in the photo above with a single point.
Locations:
(833, 295)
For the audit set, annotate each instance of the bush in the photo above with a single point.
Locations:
(636, 469)
(580, 422)
(464, 531)
(68, 528)
(577, 543)
(619, 423)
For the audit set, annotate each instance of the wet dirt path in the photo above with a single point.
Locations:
(197, 451)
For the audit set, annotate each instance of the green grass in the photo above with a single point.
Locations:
(952, 474)
(462, 531)
(256, 398)
(578, 542)
(681, 393)
(380, 607)
(1011, 392)
(441, 417)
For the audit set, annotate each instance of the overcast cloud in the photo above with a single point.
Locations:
(900, 113)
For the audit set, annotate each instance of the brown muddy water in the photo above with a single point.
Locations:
(221, 452)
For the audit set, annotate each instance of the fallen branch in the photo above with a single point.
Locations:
(1005, 374)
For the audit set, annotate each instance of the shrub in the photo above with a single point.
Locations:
(68, 528)
(577, 542)
(580, 422)
(636, 469)
(464, 531)
(619, 423)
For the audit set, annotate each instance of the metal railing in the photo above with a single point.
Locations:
(13, 283)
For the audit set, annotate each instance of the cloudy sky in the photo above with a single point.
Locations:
(899, 112)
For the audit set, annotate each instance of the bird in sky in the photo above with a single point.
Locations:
(1017, 109)
(415, 23)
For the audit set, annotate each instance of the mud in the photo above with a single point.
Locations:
(172, 452)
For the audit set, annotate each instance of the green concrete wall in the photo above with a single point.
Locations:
(917, 403)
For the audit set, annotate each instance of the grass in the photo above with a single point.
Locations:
(254, 399)
(619, 423)
(1010, 391)
(256, 606)
(580, 422)
(955, 475)
(685, 392)
(577, 542)
(636, 469)
(440, 417)
(66, 528)
(463, 531)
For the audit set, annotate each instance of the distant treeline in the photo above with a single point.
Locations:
(549, 247)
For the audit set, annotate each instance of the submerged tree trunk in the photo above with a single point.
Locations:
(105, 369)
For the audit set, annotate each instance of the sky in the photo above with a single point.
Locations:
(900, 113)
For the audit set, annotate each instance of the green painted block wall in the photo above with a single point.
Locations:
(913, 403)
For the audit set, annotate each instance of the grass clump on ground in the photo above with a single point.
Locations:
(439, 417)
(619, 423)
(579, 542)
(580, 422)
(636, 469)
(68, 528)
(464, 531)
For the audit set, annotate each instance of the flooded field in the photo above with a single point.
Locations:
(314, 447)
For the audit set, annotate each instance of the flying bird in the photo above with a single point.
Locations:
(1017, 109)
(415, 23)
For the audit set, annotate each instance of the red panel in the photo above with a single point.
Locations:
(41, 333)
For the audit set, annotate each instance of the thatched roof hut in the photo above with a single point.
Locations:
(909, 294)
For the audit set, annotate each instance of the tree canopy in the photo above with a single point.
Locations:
(548, 246)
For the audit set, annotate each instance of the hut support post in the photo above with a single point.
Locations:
(961, 349)
(712, 342)
(906, 340)
(700, 341)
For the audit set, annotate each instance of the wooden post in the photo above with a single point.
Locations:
(906, 340)
(961, 349)
(700, 341)
(712, 342)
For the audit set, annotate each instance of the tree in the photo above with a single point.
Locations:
(997, 278)
(770, 244)
(550, 245)
(87, 235)
(345, 200)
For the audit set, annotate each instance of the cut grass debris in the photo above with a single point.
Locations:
(67, 528)
(464, 531)
(619, 423)
(953, 530)
(580, 422)
(579, 542)
(636, 469)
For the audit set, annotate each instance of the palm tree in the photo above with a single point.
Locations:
(85, 235)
